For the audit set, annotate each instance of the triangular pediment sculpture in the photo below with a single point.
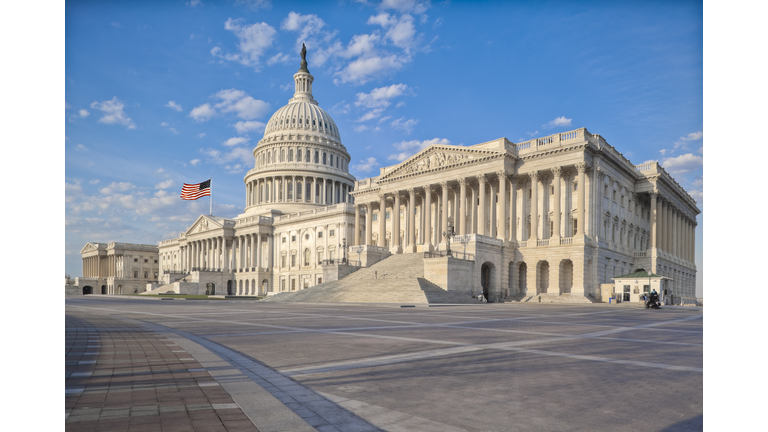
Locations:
(436, 157)
(202, 224)
(88, 248)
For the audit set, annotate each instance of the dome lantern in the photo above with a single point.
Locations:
(303, 80)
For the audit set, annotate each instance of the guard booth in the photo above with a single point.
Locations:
(633, 287)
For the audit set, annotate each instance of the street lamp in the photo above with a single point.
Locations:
(344, 250)
(448, 235)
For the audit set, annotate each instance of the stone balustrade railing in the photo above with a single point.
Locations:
(466, 238)
(550, 141)
(544, 242)
(641, 254)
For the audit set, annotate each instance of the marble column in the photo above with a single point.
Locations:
(557, 174)
(382, 219)
(461, 223)
(253, 251)
(502, 206)
(481, 206)
(259, 258)
(492, 208)
(533, 235)
(513, 208)
(396, 222)
(411, 220)
(444, 215)
(368, 223)
(427, 214)
(581, 221)
(357, 225)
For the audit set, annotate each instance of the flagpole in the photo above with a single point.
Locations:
(211, 195)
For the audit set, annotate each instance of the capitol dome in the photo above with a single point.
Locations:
(300, 162)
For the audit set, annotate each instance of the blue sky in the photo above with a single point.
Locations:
(161, 93)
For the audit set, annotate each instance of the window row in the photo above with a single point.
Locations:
(300, 154)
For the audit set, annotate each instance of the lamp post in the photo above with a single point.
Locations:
(344, 250)
(448, 235)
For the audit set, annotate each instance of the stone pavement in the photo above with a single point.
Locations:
(491, 367)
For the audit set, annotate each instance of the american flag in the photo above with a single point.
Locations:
(195, 191)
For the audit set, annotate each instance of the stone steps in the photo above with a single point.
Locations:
(396, 279)
(555, 298)
(169, 288)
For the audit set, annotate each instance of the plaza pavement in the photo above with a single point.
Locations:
(137, 364)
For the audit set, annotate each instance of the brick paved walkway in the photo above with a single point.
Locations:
(125, 378)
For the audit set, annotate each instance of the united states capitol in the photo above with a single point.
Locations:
(556, 216)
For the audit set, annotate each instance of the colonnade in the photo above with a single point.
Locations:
(673, 232)
(293, 189)
(493, 214)
(239, 253)
(102, 266)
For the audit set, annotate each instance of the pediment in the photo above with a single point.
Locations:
(437, 157)
(89, 247)
(203, 224)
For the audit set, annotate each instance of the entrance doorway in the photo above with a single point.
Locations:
(522, 276)
(486, 274)
(87, 290)
(229, 287)
(210, 288)
(103, 289)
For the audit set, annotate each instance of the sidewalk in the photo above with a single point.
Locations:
(126, 378)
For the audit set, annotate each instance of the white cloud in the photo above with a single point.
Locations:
(381, 97)
(253, 42)
(173, 105)
(683, 164)
(164, 185)
(247, 126)
(94, 181)
(194, 162)
(365, 165)
(306, 25)
(406, 125)
(169, 128)
(400, 31)
(117, 187)
(410, 148)
(202, 113)
(201, 135)
(279, 58)
(360, 45)
(84, 113)
(115, 24)
(255, 4)
(81, 147)
(534, 133)
(682, 142)
(231, 100)
(193, 3)
(363, 70)
(286, 86)
(113, 113)
(557, 122)
(241, 154)
(414, 6)
(360, 128)
(236, 141)
(372, 114)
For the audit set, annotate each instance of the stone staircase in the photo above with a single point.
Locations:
(555, 299)
(395, 279)
(164, 289)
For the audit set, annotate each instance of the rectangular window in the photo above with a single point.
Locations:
(388, 215)
(375, 217)
(614, 196)
(551, 228)
(155, 275)
(155, 261)
(282, 285)
(293, 238)
(575, 186)
(575, 225)
(284, 240)
(606, 190)
(135, 260)
(332, 255)
(320, 234)
(146, 275)
(293, 260)
(319, 257)
(282, 261)
(333, 232)
(136, 274)
(622, 200)
(551, 190)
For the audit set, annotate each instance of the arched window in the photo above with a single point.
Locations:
(298, 155)
(290, 155)
(282, 155)
(300, 120)
(290, 189)
(317, 156)
(307, 256)
(324, 159)
(309, 192)
(313, 122)
(308, 156)
(298, 190)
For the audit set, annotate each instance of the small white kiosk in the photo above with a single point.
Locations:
(633, 286)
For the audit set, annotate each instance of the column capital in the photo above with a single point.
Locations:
(513, 178)
(534, 176)
(382, 196)
(481, 178)
(427, 189)
(410, 191)
(500, 174)
(557, 172)
(653, 194)
(582, 167)
(444, 184)
(462, 181)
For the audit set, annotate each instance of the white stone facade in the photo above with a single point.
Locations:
(117, 268)
(553, 216)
